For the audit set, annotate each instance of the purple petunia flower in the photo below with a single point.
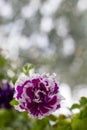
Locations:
(6, 95)
(38, 94)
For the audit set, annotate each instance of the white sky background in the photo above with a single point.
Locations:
(16, 40)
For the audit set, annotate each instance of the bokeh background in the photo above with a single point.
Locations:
(52, 35)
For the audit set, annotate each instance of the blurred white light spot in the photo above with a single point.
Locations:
(5, 9)
(30, 9)
(79, 91)
(82, 5)
(40, 40)
(11, 48)
(10, 73)
(82, 92)
(15, 27)
(49, 7)
(68, 46)
(24, 43)
(66, 92)
(46, 24)
(62, 110)
(62, 27)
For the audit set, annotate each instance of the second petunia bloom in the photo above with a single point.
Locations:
(37, 94)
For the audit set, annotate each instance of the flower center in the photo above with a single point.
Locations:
(39, 96)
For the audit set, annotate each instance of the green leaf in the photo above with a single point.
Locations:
(75, 106)
(83, 113)
(14, 79)
(79, 124)
(14, 102)
(28, 66)
(83, 101)
(26, 69)
(61, 117)
(2, 76)
(62, 125)
(52, 117)
(3, 62)
(42, 124)
(6, 118)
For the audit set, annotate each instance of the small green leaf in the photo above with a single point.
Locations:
(75, 106)
(28, 66)
(26, 69)
(14, 102)
(83, 101)
(14, 79)
(52, 117)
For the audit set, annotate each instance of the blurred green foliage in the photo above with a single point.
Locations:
(4, 65)
(14, 120)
